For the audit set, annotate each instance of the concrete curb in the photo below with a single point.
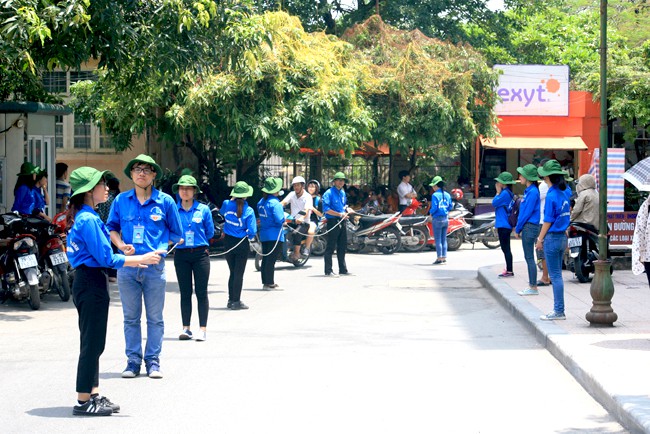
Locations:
(628, 412)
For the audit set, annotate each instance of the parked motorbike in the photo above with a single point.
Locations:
(417, 231)
(53, 261)
(382, 231)
(482, 231)
(291, 238)
(19, 263)
(582, 250)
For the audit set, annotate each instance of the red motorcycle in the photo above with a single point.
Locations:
(419, 235)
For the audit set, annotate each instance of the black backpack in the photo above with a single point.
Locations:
(513, 210)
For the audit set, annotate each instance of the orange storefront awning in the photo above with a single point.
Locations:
(556, 143)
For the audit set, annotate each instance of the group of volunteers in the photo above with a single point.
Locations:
(544, 215)
(142, 222)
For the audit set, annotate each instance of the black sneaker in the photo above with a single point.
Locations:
(238, 305)
(107, 402)
(93, 407)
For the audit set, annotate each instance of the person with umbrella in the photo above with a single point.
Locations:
(639, 176)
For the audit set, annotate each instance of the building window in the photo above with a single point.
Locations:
(76, 76)
(55, 82)
(82, 135)
(58, 131)
(105, 140)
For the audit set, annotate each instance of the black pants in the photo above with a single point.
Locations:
(196, 263)
(268, 262)
(90, 291)
(504, 239)
(647, 270)
(336, 239)
(237, 264)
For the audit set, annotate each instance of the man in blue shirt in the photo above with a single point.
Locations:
(140, 221)
(335, 210)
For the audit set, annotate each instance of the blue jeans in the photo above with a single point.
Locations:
(135, 285)
(440, 225)
(529, 235)
(554, 247)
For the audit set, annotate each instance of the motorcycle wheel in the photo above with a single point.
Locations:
(492, 232)
(422, 236)
(34, 297)
(63, 287)
(318, 246)
(390, 232)
(258, 262)
(300, 262)
(579, 268)
(454, 241)
(355, 247)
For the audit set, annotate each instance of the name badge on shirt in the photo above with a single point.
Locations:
(138, 234)
(189, 238)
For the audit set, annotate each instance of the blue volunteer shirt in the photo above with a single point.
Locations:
(335, 200)
(89, 242)
(556, 210)
(39, 199)
(440, 204)
(198, 219)
(158, 215)
(271, 218)
(23, 200)
(239, 227)
(501, 202)
(529, 208)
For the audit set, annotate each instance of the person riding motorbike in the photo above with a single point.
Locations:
(302, 205)
(586, 208)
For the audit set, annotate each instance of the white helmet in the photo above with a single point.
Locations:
(298, 179)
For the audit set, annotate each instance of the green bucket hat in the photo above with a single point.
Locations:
(529, 171)
(241, 189)
(505, 178)
(551, 167)
(145, 159)
(272, 185)
(85, 179)
(436, 179)
(339, 175)
(28, 168)
(188, 181)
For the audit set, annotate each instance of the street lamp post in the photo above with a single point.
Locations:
(602, 287)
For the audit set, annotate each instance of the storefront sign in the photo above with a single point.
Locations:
(621, 227)
(533, 90)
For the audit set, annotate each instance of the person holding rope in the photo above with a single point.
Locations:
(239, 225)
(90, 253)
(336, 211)
(192, 258)
(271, 233)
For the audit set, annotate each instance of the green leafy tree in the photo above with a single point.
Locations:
(428, 97)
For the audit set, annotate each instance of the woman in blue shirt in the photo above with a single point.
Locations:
(440, 206)
(239, 224)
(552, 237)
(271, 234)
(502, 203)
(192, 259)
(90, 253)
(41, 197)
(24, 201)
(528, 223)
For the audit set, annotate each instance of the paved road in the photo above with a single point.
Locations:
(400, 347)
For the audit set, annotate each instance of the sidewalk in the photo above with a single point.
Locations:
(611, 363)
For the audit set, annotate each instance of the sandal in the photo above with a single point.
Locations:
(542, 283)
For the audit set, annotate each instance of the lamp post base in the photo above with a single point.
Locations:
(602, 292)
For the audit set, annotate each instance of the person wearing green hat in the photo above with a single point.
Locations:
(239, 225)
(90, 253)
(41, 196)
(502, 203)
(336, 210)
(441, 204)
(141, 220)
(24, 201)
(552, 237)
(192, 258)
(271, 234)
(528, 223)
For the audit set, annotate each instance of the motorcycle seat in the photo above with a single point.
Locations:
(586, 226)
(371, 219)
(414, 220)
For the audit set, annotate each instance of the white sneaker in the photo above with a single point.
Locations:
(201, 336)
